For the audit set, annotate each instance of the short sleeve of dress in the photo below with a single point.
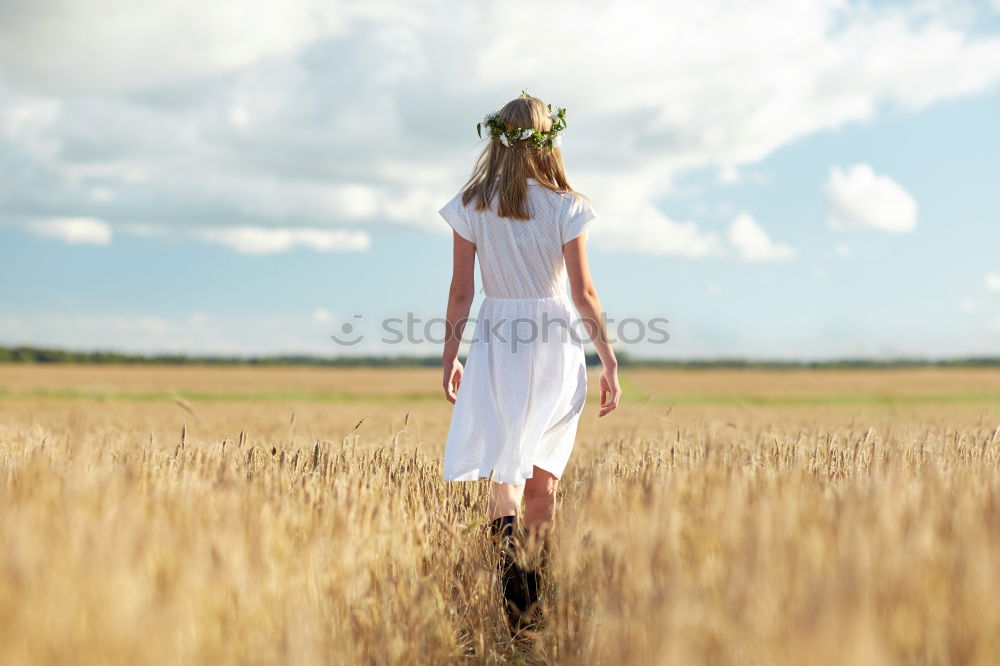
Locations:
(455, 214)
(579, 216)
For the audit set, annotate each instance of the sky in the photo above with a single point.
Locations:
(774, 180)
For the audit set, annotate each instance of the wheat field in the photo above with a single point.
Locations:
(198, 515)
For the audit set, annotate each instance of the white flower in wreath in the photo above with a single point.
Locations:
(504, 140)
(527, 133)
(557, 140)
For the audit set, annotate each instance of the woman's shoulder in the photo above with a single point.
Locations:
(573, 199)
(578, 205)
(564, 193)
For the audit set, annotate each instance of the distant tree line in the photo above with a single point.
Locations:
(24, 354)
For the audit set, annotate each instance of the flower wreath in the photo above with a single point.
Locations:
(508, 135)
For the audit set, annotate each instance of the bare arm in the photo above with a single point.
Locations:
(460, 295)
(588, 305)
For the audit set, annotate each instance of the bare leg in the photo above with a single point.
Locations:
(504, 509)
(540, 500)
(505, 500)
(539, 518)
(539, 512)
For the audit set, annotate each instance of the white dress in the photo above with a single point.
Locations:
(525, 381)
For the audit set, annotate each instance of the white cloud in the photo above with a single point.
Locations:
(744, 92)
(752, 242)
(145, 230)
(729, 175)
(244, 239)
(858, 197)
(322, 316)
(102, 194)
(329, 112)
(651, 232)
(201, 333)
(75, 230)
(842, 249)
(194, 333)
(262, 240)
(993, 281)
(162, 41)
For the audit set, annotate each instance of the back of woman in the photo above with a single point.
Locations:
(523, 258)
(519, 397)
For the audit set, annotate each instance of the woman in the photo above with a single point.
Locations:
(519, 398)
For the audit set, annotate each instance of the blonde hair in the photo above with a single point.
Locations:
(504, 171)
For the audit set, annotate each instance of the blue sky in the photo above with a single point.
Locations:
(788, 180)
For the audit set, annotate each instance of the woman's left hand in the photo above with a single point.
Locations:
(452, 378)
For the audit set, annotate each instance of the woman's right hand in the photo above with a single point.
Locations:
(611, 390)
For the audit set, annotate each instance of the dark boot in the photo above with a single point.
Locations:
(536, 578)
(516, 583)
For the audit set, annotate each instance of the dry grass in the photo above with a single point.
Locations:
(830, 533)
